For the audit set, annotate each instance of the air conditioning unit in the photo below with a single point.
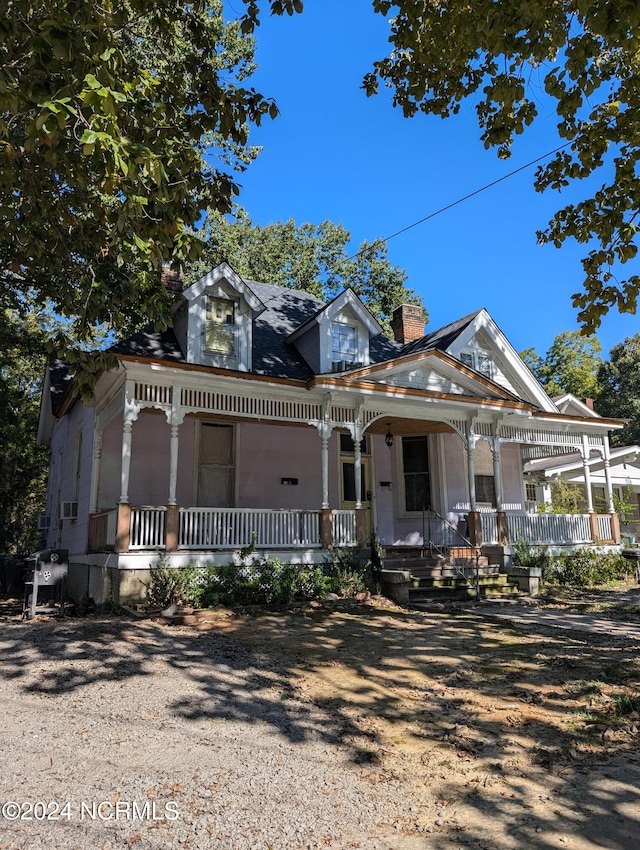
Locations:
(68, 510)
(44, 522)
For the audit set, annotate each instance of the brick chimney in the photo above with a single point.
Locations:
(589, 403)
(173, 281)
(407, 323)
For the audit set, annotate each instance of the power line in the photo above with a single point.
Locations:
(464, 198)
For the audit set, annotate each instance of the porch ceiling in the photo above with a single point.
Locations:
(406, 427)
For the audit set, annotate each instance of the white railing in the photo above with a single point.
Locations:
(489, 527)
(237, 528)
(549, 528)
(344, 528)
(147, 528)
(605, 532)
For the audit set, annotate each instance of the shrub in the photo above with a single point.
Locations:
(346, 573)
(586, 567)
(171, 585)
(263, 581)
(527, 556)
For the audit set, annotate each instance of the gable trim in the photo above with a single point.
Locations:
(400, 363)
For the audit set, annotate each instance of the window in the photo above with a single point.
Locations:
(216, 468)
(479, 361)
(415, 464)
(343, 342)
(220, 325)
(530, 492)
(347, 446)
(486, 489)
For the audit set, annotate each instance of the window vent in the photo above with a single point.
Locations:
(68, 510)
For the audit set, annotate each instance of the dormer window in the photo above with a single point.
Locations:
(343, 343)
(220, 325)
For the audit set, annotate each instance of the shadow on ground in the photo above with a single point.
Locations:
(505, 738)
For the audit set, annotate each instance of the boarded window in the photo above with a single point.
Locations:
(415, 464)
(216, 468)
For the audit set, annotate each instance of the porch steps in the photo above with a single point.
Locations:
(433, 578)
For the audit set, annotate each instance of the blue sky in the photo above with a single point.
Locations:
(335, 154)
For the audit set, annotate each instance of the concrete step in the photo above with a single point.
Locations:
(449, 594)
(499, 580)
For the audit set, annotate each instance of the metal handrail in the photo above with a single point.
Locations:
(445, 551)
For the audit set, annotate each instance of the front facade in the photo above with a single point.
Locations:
(268, 417)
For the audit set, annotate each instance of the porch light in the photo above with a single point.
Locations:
(388, 436)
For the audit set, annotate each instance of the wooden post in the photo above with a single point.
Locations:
(474, 525)
(615, 528)
(172, 528)
(361, 526)
(503, 528)
(123, 529)
(326, 528)
(593, 527)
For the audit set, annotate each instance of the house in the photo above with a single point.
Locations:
(588, 477)
(267, 415)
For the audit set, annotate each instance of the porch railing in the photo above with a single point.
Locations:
(344, 528)
(605, 531)
(102, 530)
(147, 528)
(551, 528)
(489, 528)
(237, 528)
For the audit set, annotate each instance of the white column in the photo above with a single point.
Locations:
(587, 472)
(325, 427)
(175, 418)
(131, 411)
(607, 474)
(497, 473)
(470, 443)
(95, 471)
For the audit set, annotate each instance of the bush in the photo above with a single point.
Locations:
(527, 556)
(586, 567)
(263, 581)
(171, 585)
(346, 573)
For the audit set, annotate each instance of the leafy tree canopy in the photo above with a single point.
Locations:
(584, 55)
(23, 465)
(570, 365)
(619, 395)
(121, 121)
(310, 257)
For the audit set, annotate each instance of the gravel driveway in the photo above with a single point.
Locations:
(117, 734)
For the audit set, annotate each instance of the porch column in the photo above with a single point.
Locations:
(607, 474)
(497, 473)
(175, 418)
(470, 444)
(587, 473)
(324, 431)
(131, 412)
(95, 471)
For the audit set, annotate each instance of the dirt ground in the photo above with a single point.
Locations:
(499, 737)
(504, 739)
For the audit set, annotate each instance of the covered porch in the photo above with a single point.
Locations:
(288, 468)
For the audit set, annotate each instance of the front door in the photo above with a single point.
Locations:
(348, 486)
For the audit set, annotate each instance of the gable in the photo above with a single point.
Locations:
(431, 371)
(482, 341)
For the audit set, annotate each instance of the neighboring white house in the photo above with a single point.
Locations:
(265, 414)
(624, 475)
